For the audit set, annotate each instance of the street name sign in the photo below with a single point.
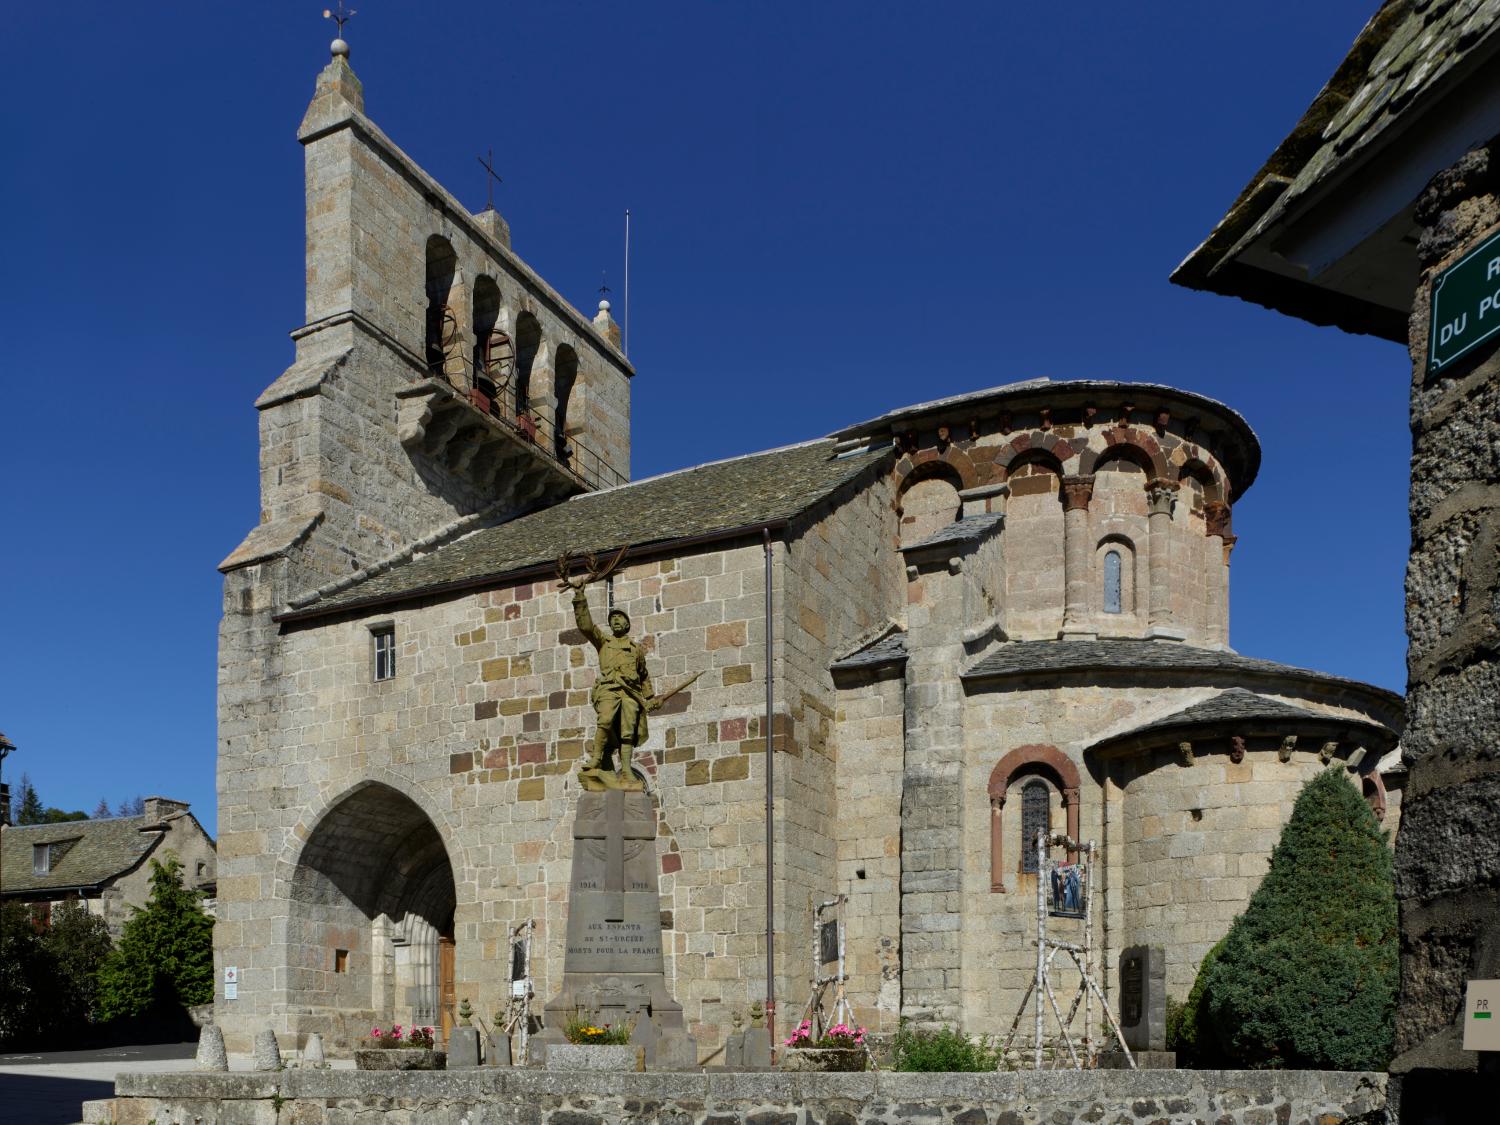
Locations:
(1465, 305)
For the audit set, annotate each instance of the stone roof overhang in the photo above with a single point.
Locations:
(886, 651)
(1323, 231)
(712, 503)
(1227, 433)
(1238, 711)
(1155, 661)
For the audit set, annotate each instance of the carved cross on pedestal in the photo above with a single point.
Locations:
(614, 829)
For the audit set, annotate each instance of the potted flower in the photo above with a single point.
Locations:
(399, 1049)
(594, 1045)
(841, 1047)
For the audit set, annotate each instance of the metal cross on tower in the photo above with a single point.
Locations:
(489, 185)
(340, 16)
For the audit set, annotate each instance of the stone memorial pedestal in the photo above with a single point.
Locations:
(613, 970)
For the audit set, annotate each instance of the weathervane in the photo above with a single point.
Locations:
(340, 16)
(604, 289)
(489, 184)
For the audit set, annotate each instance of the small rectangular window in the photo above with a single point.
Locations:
(385, 652)
(41, 859)
(341, 960)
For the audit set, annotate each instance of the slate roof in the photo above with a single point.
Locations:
(101, 850)
(889, 649)
(745, 492)
(1246, 709)
(1404, 51)
(1019, 658)
(965, 530)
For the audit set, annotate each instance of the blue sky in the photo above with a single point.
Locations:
(838, 208)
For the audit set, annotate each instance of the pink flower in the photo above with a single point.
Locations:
(374, 1033)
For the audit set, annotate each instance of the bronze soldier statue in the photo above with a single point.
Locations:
(622, 694)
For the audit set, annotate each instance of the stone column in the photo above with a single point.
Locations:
(1447, 852)
(1160, 496)
(1076, 493)
(1217, 517)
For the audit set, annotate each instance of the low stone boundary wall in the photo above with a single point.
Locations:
(538, 1097)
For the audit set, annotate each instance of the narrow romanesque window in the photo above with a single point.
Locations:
(1112, 582)
(1036, 816)
(385, 652)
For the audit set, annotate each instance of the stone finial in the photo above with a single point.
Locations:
(605, 324)
(757, 1014)
(339, 49)
(267, 1053)
(737, 1019)
(211, 1054)
(465, 1012)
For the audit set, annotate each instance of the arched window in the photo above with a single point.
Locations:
(1038, 771)
(563, 382)
(528, 343)
(1036, 816)
(444, 343)
(1112, 582)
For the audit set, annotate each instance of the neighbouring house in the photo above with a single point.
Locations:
(104, 862)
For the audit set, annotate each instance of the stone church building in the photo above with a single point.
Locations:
(1000, 610)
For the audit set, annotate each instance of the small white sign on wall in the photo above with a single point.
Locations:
(231, 982)
(1482, 1016)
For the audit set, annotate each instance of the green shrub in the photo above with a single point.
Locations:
(1307, 976)
(945, 1049)
(165, 959)
(1185, 1022)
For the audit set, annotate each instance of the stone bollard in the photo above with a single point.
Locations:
(211, 1054)
(463, 1047)
(267, 1053)
(312, 1054)
(499, 1049)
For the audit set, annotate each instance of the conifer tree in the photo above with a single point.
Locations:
(165, 958)
(28, 804)
(1307, 976)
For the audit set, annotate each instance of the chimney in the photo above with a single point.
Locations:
(5, 804)
(159, 808)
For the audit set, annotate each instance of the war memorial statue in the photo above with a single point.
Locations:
(622, 694)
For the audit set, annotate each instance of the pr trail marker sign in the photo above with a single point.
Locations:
(1465, 305)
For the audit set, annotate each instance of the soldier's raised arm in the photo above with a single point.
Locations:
(584, 619)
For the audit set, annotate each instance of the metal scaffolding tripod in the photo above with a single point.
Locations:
(828, 949)
(1070, 886)
(517, 1016)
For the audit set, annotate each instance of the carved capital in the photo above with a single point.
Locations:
(1217, 518)
(1160, 495)
(1077, 492)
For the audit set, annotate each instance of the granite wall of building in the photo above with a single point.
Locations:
(1448, 857)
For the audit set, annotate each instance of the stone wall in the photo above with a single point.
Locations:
(1167, 879)
(502, 1097)
(478, 735)
(1448, 858)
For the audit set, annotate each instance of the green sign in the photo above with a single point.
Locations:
(1465, 305)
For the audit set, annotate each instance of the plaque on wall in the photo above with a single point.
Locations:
(828, 942)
